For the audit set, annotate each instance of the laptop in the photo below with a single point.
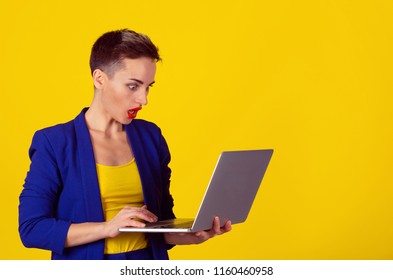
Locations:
(229, 195)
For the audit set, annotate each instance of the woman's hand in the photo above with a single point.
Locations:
(84, 233)
(198, 237)
(129, 217)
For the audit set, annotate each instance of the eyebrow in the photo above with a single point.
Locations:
(141, 82)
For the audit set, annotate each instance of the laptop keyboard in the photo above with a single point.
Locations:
(171, 224)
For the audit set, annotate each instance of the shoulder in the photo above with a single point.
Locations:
(57, 138)
(57, 132)
(61, 132)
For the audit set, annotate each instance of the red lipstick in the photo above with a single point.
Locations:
(133, 112)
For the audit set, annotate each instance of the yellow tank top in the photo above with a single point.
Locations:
(121, 186)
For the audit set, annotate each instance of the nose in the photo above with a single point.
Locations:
(141, 98)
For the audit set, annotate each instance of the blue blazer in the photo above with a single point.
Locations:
(62, 188)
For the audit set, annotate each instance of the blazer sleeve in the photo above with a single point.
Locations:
(38, 226)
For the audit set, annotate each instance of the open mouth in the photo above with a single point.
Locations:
(133, 112)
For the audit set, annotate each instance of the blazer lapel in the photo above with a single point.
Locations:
(138, 148)
(88, 170)
(90, 186)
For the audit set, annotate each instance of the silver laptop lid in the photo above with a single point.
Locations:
(232, 187)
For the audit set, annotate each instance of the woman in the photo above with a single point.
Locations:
(104, 169)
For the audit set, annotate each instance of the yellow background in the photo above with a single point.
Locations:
(310, 79)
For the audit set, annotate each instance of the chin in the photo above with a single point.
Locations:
(127, 121)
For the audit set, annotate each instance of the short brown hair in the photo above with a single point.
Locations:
(112, 47)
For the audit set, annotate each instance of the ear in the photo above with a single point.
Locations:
(99, 78)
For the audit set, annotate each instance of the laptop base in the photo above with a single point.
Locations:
(171, 225)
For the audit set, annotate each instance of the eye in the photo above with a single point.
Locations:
(133, 87)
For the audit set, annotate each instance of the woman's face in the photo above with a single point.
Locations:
(124, 94)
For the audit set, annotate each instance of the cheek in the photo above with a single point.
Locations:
(114, 97)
